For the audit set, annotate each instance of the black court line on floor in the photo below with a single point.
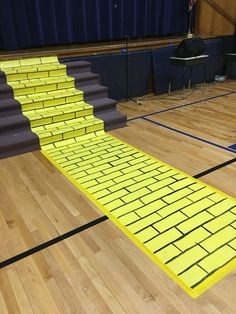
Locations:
(89, 225)
(181, 106)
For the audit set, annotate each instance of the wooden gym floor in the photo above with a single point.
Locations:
(99, 270)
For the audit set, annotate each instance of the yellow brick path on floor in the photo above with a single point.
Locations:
(183, 225)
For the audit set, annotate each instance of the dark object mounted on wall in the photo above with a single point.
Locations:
(190, 47)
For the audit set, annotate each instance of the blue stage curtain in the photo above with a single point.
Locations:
(35, 23)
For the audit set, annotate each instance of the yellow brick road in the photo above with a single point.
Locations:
(185, 226)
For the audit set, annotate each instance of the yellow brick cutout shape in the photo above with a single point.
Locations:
(156, 233)
(173, 218)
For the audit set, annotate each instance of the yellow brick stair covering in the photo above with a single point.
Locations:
(185, 226)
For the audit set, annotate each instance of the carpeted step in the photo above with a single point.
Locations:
(64, 130)
(112, 119)
(12, 123)
(75, 67)
(64, 112)
(18, 143)
(5, 91)
(9, 107)
(86, 78)
(92, 92)
(102, 104)
(49, 99)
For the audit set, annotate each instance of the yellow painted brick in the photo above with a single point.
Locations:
(168, 253)
(38, 122)
(160, 184)
(9, 64)
(127, 176)
(193, 275)
(135, 195)
(181, 184)
(65, 85)
(150, 208)
(163, 239)
(170, 221)
(136, 186)
(90, 183)
(221, 207)
(128, 219)
(124, 209)
(104, 161)
(74, 133)
(218, 239)
(101, 186)
(101, 193)
(52, 59)
(96, 176)
(114, 204)
(146, 176)
(167, 174)
(151, 167)
(112, 196)
(220, 222)
(30, 61)
(120, 161)
(146, 234)
(57, 72)
(192, 238)
(75, 98)
(110, 176)
(93, 128)
(99, 168)
(134, 167)
(34, 75)
(138, 160)
(16, 77)
(84, 112)
(156, 195)
(23, 91)
(187, 259)
(45, 88)
(197, 207)
(123, 184)
(65, 142)
(194, 222)
(200, 194)
(174, 197)
(233, 210)
(216, 197)
(70, 167)
(64, 117)
(170, 209)
(217, 259)
(54, 102)
(50, 139)
(116, 168)
(233, 244)
(143, 223)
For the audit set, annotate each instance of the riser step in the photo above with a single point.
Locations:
(103, 104)
(50, 99)
(9, 107)
(67, 129)
(111, 118)
(58, 113)
(26, 87)
(11, 123)
(74, 67)
(18, 142)
(93, 92)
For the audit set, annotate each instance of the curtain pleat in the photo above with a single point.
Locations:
(35, 23)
